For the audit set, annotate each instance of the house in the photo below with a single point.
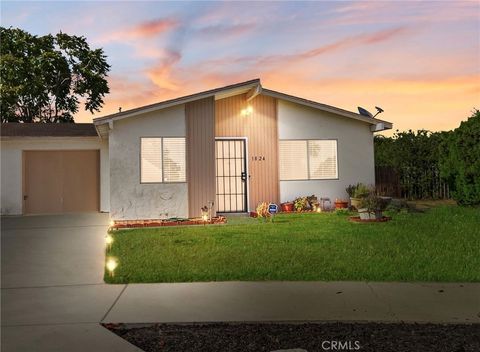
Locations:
(234, 146)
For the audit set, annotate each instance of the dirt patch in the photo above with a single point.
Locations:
(255, 337)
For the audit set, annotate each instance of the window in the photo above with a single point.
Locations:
(162, 160)
(308, 160)
(293, 160)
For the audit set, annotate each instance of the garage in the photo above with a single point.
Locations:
(61, 181)
(52, 168)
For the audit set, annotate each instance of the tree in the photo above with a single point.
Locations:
(414, 158)
(460, 160)
(43, 78)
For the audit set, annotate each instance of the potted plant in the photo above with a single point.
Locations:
(341, 203)
(357, 193)
(300, 203)
(262, 211)
(287, 207)
(372, 207)
(312, 201)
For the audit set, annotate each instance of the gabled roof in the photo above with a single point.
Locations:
(13, 129)
(218, 93)
(252, 88)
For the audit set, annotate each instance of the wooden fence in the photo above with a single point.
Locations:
(417, 184)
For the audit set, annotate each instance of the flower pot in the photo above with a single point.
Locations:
(286, 207)
(341, 205)
(355, 202)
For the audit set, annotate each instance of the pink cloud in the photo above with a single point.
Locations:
(142, 30)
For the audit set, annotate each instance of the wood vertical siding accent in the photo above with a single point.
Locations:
(200, 129)
(261, 130)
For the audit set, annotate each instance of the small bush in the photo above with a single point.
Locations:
(361, 191)
(301, 203)
(373, 203)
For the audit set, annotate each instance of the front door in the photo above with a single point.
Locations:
(231, 175)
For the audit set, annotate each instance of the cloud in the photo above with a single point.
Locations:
(147, 29)
(162, 74)
(227, 30)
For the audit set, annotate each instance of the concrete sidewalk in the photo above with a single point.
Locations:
(298, 301)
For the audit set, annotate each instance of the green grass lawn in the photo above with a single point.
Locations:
(442, 244)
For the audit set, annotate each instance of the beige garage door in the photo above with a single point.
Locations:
(61, 181)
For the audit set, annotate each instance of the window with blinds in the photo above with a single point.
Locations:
(174, 160)
(151, 160)
(162, 160)
(322, 159)
(293, 160)
(308, 159)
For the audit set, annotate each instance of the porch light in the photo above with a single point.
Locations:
(111, 265)
(247, 111)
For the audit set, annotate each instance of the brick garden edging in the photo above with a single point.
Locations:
(128, 224)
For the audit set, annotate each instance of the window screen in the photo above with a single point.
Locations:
(151, 160)
(162, 160)
(308, 159)
(293, 160)
(322, 160)
(174, 160)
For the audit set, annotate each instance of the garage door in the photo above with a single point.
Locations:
(61, 181)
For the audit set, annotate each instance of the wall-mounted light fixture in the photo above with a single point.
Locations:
(247, 111)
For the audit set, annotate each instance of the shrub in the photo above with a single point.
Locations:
(460, 161)
(361, 191)
(262, 211)
(351, 190)
(300, 203)
(373, 203)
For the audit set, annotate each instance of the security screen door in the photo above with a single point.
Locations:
(231, 175)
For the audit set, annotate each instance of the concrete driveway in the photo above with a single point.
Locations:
(53, 295)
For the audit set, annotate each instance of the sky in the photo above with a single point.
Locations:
(418, 60)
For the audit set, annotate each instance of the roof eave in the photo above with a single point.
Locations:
(177, 101)
(324, 107)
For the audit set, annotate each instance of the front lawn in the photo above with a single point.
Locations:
(442, 244)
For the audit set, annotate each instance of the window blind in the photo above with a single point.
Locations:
(308, 159)
(151, 160)
(174, 160)
(322, 160)
(293, 160)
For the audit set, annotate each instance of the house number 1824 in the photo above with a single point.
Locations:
(258, 158)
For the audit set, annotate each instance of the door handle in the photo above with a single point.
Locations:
(243, 175)
(25, 197)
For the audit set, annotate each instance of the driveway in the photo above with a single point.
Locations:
(53, 295)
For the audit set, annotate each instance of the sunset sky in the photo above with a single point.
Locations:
(419, 61)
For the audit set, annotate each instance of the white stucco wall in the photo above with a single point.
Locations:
(354, 149)
(11, 166)
(129, 198)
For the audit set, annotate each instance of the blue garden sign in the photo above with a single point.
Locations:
(272, 208)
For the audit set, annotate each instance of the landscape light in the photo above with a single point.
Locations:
(108, 240)
(111, 265)
(205, 217)
(112, 223)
